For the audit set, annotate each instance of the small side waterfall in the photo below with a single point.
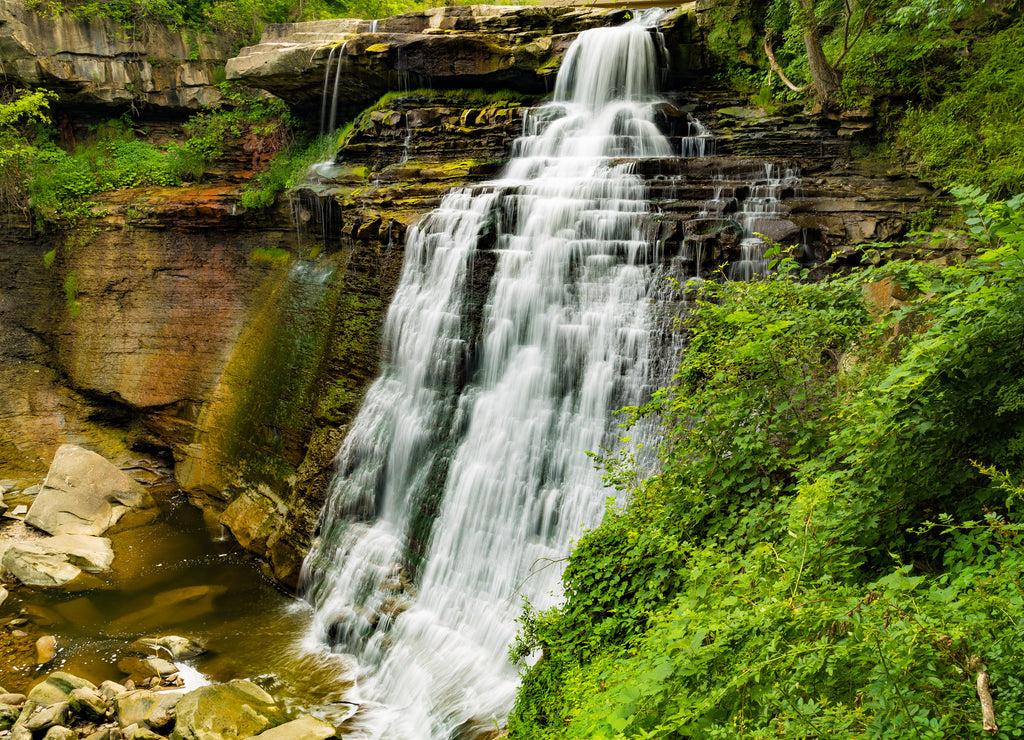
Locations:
(523, 319)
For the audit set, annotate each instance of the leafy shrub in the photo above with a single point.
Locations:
(834, 544)
(973, 135)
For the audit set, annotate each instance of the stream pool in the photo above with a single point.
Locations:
(176, 576)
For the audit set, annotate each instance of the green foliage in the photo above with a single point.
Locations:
(944, 78)
(21, 118)
(286, 171)
(834, 544)
(114, 159)
(263, 123)
(973, 134)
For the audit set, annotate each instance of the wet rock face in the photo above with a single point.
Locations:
(92, 61)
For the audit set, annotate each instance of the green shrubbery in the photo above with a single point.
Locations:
(974, 134)
(834, 545)
(944, 79)
(37, 175)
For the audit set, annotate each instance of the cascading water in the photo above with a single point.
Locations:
(465, 471)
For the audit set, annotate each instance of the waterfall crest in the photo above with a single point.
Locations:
(464, 472)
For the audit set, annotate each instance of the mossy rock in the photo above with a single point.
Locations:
(237, 709)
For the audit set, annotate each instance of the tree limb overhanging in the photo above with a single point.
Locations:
(778, 70)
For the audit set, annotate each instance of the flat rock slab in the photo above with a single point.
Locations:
(84, 494)
(303, 728)
(57, 562)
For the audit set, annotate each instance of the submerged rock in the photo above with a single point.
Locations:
(84, 494)
(179, 605)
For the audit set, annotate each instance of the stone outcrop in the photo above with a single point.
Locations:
(92, 61)
(469, 46)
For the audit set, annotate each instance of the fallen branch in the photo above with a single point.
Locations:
(988, 710)
(778, 70)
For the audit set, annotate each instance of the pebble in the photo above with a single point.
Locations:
(12, 699)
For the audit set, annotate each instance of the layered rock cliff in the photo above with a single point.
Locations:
(175, 322)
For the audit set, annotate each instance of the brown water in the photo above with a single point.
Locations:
(173, 576)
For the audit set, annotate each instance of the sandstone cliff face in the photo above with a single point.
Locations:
(94, 62)
(241, 342)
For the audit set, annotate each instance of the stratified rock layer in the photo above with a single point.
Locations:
(91, 61)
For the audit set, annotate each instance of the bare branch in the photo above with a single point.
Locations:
(778, 70)
(988, 711)
(847, 45)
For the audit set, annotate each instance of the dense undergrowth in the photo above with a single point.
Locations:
(834, 545)
(238, 21)
(943, 80)
(47, 180)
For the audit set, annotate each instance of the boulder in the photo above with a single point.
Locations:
(88, 703)
(59, 732)
(46, 649)
(47, 717)
(8, 716)
(111, 689)
(303, 728)
(143, 733)
(59, 561)
(12, 699)
(19, 732)
(84, 494)
(57, 687)
(145, 708)
(237, 709)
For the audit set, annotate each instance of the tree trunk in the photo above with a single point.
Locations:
(824, 75)
(826, 79)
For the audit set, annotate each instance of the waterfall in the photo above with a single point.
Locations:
(329, 110)
(523, 319)
(756, 211)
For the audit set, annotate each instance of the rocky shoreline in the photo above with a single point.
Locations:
(66, 707)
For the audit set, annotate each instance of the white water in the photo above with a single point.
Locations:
(565, 340)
